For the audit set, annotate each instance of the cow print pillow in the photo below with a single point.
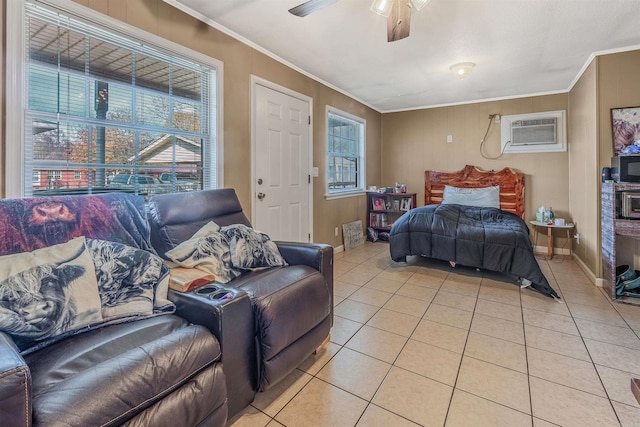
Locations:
(47, 293)
(250, 248)
(130, 280)
(209, 253)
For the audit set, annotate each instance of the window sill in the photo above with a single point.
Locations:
(345, 194)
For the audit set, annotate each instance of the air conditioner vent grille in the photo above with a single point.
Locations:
(536, 122)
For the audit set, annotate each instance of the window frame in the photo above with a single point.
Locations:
(361, 155)
(14, 178)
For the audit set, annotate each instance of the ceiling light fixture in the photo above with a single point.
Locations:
(383, 7)
(463, 69)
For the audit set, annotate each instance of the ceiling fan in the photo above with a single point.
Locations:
(397, 11)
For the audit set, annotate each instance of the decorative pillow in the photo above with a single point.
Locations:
(48, 292)
(250, 248)
(129, 279)
(210, 254)
(209, 228)
(486, 197)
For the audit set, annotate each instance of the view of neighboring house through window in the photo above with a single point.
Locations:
(345, 153)
(101, 105)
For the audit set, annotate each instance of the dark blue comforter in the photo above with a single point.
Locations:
(487, 238)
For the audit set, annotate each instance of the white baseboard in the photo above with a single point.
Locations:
(597, 281)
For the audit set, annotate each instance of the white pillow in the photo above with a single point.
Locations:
(486, 197)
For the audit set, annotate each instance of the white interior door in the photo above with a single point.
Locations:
(281, 203)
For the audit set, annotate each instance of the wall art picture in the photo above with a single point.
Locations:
(625, 125)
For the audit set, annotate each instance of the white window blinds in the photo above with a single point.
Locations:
(100, 104)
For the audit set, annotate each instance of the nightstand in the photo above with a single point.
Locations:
(568, 227)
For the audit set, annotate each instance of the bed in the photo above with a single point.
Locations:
(491, 238)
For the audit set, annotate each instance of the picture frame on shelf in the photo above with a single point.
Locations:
(396, 205)
(378, 203)
(406, 204)
(625, 127)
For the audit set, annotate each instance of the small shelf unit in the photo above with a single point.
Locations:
(385, 208)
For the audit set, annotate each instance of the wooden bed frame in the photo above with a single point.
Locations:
(511, 185)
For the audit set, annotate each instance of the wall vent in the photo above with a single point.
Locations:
(534, 132)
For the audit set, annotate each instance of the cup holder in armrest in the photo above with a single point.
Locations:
(215, 293)
(207, 290)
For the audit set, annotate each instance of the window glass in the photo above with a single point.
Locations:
(345, 150)
(103, 108)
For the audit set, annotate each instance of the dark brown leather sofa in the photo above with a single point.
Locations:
(291, 308)
(153, 371)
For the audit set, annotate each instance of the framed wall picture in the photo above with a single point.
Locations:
(625, 126)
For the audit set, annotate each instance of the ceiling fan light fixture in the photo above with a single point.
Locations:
(419, 4)
(382, 7)
(462, 69)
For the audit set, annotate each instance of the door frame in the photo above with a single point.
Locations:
(258, 81)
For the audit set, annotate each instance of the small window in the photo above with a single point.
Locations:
(345, 153)
(36, 179)
(53, 175)
(77, 175)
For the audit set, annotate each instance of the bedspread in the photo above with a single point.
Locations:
(487, 238)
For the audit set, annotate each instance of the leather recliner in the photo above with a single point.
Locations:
(148, 371)
(292, 305)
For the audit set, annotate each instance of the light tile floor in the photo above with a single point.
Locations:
(426, 344)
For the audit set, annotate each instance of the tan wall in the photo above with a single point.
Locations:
(584, 176)
(618, 86)
(240, 62)
(415, 141)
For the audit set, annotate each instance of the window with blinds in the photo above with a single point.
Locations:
(345, 152)
(104, 112)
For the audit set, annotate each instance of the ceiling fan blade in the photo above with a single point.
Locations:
(310, 6)
(399, 20)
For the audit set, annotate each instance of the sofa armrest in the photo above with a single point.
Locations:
(230, 319)
(316, 255)
(15, 385)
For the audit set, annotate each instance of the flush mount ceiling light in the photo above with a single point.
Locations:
(462, 69)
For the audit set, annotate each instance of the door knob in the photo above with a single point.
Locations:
(261, 195)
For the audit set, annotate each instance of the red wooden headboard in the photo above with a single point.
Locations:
(511, 185)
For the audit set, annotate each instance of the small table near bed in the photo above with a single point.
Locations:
(550, 228)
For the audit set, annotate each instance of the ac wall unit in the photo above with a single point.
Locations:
(534, 132)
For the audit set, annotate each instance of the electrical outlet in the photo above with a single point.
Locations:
(577, 237)
(497, 118)
(449, 139)
(336, 231)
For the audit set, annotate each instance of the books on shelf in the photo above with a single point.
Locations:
(378, 220)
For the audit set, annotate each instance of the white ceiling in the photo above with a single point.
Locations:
(520, 47)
